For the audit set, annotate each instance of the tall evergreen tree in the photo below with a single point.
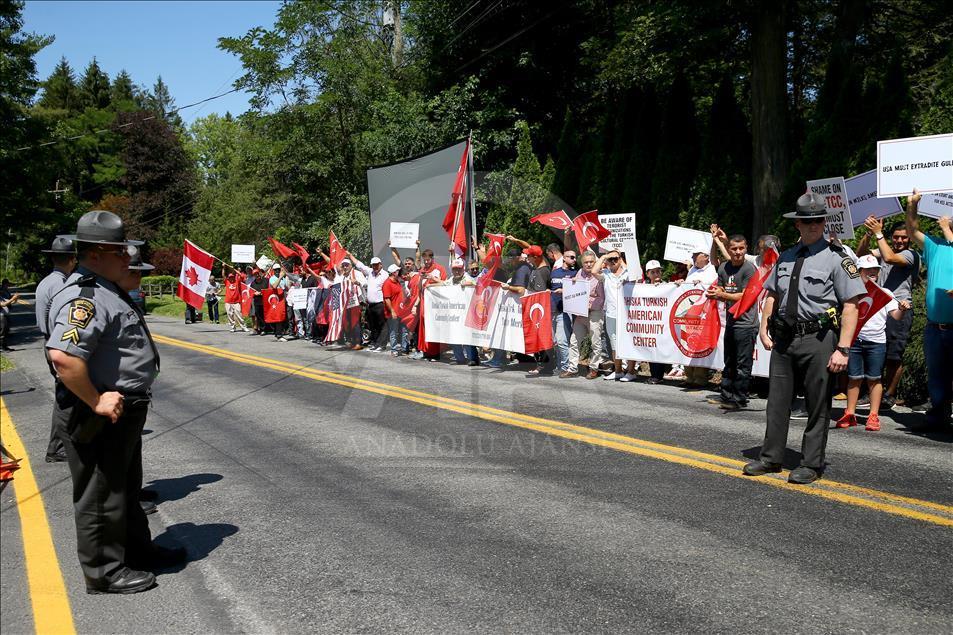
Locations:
(566, 180)
(122, 91)
(59, 90)
(94, 87)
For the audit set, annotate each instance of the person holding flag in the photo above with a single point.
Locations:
(234, 280)
(869, 349)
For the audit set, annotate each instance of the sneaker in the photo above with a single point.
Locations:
(846, 421)
(566, 374)
(282, 339)
(799, 415)
(612, 377)
(629, 377)
(840, 397)
(232, 329)
(873, 424)
(887, 402)
(395, 353)
(863, 403)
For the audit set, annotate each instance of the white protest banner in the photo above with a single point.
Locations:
(298, 297)
(936, 205)
(243, 253)
(681, 243)
(575, 296)
(264, 262)
(445, 314)
(404, 235)
(622, 239)
(666, 324)
(863, 201)
(924, 163)
(835, 200)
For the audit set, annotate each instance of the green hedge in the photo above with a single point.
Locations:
(159, 280)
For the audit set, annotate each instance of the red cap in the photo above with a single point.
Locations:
(533, 250)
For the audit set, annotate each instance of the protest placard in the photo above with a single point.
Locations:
(863, 200)
(264, 262)
(575, 296)
(924, 163)
(666, 323)
(622, 239)
(835, 200)
(243, 253)
(681, 243)
(936, 205)
(298, 297)
(445, 315)
(404, 235)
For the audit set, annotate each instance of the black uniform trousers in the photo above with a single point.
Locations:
(739, 351)
(107, 477)
(802, 362)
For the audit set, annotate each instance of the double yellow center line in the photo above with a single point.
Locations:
(913, 508)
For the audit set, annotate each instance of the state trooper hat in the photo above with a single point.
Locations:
(61, 245)
(103, 228)
(135, 259)
(809, 205)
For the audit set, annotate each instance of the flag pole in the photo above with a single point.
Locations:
(472, 192)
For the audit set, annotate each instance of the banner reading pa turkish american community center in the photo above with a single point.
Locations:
(445, 316)
(670, 324)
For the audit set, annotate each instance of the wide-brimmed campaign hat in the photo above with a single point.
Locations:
(135, 259)
(61, 245)
(102, 228)
(809, 205)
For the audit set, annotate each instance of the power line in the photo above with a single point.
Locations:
(507, 40)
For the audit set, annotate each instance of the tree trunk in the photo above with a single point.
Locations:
(769, 155)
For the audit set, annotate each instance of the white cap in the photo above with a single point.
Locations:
(393, 268)
(867, 262)
(347, 260)
(276, 266)
(458, 262)
(653, 264)
(375, 260)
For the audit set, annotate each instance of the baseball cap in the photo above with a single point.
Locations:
(653, 264)
(346, 261)
(867, 262)
(375, 260)
(276, 266)
(533, 250)
(393, 268)
(458, 262)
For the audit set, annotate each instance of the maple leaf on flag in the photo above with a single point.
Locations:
(192, 275)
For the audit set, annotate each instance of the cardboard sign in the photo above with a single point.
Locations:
(681, 243)
(924, 163)
(838, 209)
(936, 205)
(264, 263)
(576, 297)
(863, 201)
(404, 235)
(243, 253)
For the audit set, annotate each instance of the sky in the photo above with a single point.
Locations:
(177, 40)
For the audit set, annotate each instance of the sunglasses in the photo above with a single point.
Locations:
(121, 251)
(813, 221)
(569, 257)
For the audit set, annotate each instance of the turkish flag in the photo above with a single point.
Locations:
(453, 222)
(755, 285)
(537, 322)
(247, 296)
(869, 305)
(193, 279)
(482, 304)
(404, 308)
(282, 251)
(588, 229)
(494, 251)
(274, 303)
(302, 253)
(558, 219)
(338, 253)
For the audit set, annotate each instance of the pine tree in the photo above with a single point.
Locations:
(59, 90)
(94, 87)
(122, 93)
(566, 179)
(160, 101)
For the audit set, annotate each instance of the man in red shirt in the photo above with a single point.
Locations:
(233, 299)
(393, 292)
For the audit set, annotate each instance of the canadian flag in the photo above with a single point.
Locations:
(869, 305)
(588, 229)
(558, 219)
(537, 322)
(193, 279)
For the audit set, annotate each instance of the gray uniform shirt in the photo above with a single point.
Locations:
(45, 291)
(93, 322)
(828, 279)
(899, 279)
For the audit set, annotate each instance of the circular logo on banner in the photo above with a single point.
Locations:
(685, 324)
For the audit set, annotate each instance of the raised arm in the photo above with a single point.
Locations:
(719, 246)
(876, 226)
(521, 243)
(395, 255)
(944, 223)
(913, 223)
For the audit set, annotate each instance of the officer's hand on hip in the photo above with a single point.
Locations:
(837, 362)
(109, 405)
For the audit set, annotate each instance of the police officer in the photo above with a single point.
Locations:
(63, 255)
(106, 361)
(810, 281)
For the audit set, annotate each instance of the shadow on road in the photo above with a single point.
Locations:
(198, 540)
(173, 489)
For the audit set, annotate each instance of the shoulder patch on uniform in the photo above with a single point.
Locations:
(81, 313)
(71, 335)
(848, 265)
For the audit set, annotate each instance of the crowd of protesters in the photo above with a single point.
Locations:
(585, 346)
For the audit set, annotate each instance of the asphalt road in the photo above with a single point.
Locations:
(313, 505)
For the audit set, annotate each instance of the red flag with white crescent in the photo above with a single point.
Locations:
(588, 229)
(755, 285)
(281, 250)
(537, 322)
(247, 296)
(193, 278)
(454, 222)
(274, 303)
(494, 250)
(869, 305)
(482, 304)
(338, 253)
(404, 308)
(558, 219)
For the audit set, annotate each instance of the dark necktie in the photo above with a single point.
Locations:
(790, 308)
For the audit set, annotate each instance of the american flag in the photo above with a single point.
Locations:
(335, 306)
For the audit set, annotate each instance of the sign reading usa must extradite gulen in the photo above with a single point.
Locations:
(922, 163)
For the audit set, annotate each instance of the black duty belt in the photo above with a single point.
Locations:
(806, 327)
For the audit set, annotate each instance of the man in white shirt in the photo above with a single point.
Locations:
(376, 277)
(612, 270)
